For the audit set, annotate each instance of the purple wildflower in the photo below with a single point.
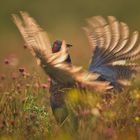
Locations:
(6, 61)
(11, 60)
(44, 86)
(109, 132)
(2, 77)
(21, 70)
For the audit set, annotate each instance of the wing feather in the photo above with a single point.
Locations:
(54, 63)
(121, 46)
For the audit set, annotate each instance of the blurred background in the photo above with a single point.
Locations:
(62, 19)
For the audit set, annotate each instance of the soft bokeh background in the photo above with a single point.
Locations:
(24, 99)
(62, 19)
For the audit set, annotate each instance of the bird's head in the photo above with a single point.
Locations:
(57, 46)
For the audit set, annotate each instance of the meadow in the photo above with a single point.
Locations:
(25, 111)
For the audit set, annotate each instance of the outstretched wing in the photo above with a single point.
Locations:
(112, 48)
(53, 63)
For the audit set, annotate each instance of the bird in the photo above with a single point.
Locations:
(112, 64)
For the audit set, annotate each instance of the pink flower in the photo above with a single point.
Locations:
(11, 60)
(109, 132)
(6, 61)
(49, 79)
(21, 70)
(25, 47)
(14, 76)
(2, 77)
(44, 86)
(25, 74)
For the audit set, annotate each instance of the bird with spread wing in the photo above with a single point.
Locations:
(111, 65)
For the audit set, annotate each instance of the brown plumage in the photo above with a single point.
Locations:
(53, 63)
(112, 48)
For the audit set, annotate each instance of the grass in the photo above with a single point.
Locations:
(25, 111)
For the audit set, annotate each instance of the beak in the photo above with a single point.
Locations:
(69, 45)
